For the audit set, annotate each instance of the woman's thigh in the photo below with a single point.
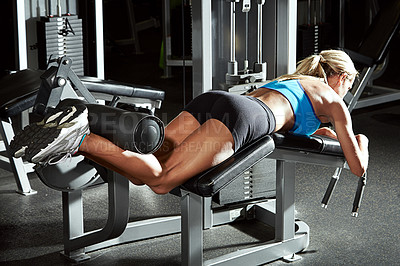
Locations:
(205, 147)
(176, 132)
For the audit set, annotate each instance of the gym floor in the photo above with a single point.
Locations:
(31, 226)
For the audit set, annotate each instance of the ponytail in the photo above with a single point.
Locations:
(322, 66)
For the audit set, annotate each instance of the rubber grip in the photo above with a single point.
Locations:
(359, 194)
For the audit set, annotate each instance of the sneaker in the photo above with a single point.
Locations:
(59, 134)
(28, 135)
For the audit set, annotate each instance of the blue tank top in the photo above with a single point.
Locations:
(306, 121)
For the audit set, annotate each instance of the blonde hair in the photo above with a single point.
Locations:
(322, 66)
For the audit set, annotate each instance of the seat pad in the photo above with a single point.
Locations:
(211, 181)
(315, 143)
(18, 92)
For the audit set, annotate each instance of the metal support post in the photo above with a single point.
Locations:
(285, 185)
(99, 39)
(192, 229)
(286, 36)
(21, 36)
(73, 223)
(259, 30)
(232, 64)
(132, 25)
(202, 51)
(74, 237)
(166, 18)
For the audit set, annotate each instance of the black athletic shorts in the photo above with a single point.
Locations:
(246, 117)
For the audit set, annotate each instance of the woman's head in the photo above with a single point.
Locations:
(324, 65)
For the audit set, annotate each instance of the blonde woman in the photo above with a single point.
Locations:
(216, 124)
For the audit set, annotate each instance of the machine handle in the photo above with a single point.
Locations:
(359, 194)
(331, 187)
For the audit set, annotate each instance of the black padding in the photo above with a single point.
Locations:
(134, 131)
(122, 89)
(213, 180)
(314, 143)
(18, 92)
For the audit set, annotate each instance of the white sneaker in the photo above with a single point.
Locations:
(59, 134)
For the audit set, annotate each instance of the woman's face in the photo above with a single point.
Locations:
(340, 84)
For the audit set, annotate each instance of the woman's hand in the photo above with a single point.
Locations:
(326, 131)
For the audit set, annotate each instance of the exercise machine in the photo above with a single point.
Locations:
(39, 90)
(197, 214)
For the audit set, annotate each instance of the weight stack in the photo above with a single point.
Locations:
(307, 41)
(258, 182)
(60, 36)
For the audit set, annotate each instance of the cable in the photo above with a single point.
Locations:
(183, 54)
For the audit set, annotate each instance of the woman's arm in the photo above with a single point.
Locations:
(355, 148)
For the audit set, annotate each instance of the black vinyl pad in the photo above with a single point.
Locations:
(18, 91)
(214, 179)
(314, 143)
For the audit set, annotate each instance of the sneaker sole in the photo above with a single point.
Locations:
(22, 139)
(29, 134)
(52, 134)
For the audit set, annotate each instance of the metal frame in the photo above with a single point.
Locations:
(168, 61)
(21, 33)
(117, 229)
(379, 94)
(278, 213)
(197, 215)
(19, 168)
(99, 38)
(202, 55)
(286, 36)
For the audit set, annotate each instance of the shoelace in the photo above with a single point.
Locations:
(65, 157)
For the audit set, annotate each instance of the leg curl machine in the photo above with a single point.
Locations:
(197, 213)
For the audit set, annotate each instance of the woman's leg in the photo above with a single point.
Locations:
(175, 132)
(206, 146)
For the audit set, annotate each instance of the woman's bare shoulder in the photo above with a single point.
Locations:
(323, 98)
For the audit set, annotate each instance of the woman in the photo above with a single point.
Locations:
(216, 124)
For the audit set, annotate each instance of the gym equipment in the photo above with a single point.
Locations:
(197, 214)
(42, 90)
(370, 54)
(60, 36)
(196, 196)
(259, 71)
